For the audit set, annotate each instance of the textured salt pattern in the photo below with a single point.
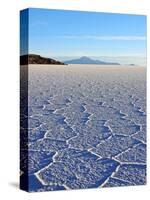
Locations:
(87, 127)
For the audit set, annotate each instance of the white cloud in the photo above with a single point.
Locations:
(98, 37)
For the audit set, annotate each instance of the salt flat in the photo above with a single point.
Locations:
(87, 126)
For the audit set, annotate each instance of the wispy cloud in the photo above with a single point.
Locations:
(98, 37)
(39, 23)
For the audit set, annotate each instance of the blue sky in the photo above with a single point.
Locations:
(69, 34)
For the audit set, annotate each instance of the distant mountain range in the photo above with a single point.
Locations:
(37, 59)
(87, 60)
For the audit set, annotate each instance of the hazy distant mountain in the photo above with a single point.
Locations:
(37, 59)
(132, 64)
(87, 60)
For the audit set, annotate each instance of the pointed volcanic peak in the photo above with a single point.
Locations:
(87, 60)
(37, 59)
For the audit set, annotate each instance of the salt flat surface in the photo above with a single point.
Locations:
(87, 126)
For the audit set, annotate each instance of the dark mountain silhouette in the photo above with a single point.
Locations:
(87, 60)
(37, 59)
